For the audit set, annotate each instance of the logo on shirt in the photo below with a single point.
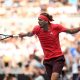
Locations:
(51, 33)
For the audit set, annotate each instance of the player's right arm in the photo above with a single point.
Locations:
(29, 34)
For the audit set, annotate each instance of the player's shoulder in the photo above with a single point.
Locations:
(54, 25)
(36, 27)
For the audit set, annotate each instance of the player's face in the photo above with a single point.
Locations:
(43, 24)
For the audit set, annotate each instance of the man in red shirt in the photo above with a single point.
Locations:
(48, 34)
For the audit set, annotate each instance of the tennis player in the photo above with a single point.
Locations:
(48, 34)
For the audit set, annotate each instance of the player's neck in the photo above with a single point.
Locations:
(49, 26)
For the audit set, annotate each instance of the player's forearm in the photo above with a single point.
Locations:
(74, 30)
(29, 34)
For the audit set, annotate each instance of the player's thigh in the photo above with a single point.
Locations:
(57, 70)
(48, 69)
(58, 64)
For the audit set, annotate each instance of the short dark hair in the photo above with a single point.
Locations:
(48, 16)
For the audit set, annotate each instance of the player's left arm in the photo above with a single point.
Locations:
(73, 30)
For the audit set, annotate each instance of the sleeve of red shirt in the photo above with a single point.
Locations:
(35, 30)
(61, 28)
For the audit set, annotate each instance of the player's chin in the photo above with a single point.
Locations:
(41, 25)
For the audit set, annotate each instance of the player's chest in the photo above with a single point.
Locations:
(48, 34)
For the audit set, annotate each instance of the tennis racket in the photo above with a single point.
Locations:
(3, 36)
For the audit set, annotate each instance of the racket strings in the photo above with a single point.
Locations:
(3, 36)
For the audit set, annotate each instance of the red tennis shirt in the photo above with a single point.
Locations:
(50, 40)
